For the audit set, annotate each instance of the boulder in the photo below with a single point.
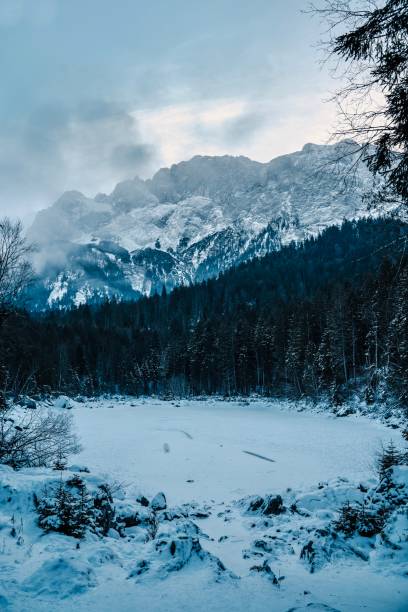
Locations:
(200, 514)
(141, 517)
(174, 514)
(256, 504)
(132, 520)
(177, 551)
(262, 545)
(63, 402)
(159, 502)
(142, 500)
(26, 402)
(266, 569)
(271, 504)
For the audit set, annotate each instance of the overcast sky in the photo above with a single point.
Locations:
(95, 91)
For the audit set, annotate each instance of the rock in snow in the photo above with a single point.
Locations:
(271, 504)
(28, 402)
(266, 569)
(143, 501)
(63, 402)
(158, 502)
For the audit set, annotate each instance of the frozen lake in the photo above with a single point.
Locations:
(155, 445)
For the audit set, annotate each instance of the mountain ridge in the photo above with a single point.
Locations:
(190, 222)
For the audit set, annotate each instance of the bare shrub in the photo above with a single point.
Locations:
(35, 439)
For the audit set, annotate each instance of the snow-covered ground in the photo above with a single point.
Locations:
(208, 441)
(210, 458)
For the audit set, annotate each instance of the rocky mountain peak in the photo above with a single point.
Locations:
(202, 215)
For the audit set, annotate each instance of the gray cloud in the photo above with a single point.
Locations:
(131, 156)
(57, 58)
(243, 128)
(90, 147)
(234, 131)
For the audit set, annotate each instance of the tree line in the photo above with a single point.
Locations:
(325, 318)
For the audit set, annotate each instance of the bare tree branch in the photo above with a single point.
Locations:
(369, 42)
(15, 268)
(30, 438)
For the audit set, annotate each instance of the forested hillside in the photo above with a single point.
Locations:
(323, 318)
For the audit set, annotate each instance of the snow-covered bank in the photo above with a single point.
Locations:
(211, 458)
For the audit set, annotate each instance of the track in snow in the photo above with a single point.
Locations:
(259, 456)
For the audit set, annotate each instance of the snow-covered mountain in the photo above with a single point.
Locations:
(190, 222)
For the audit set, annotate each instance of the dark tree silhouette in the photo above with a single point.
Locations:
(15, 268)
(370, 41)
